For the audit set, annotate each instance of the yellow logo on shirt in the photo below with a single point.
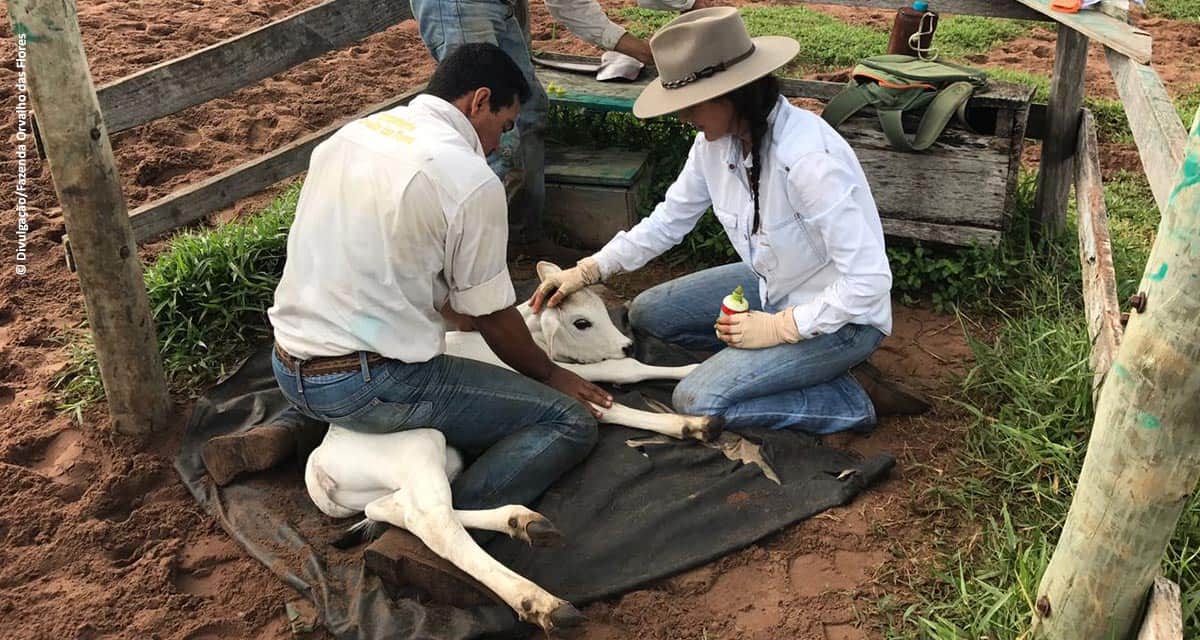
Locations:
(390, 125)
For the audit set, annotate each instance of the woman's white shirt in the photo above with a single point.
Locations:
(820, 244)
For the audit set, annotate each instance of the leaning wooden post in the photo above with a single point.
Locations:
(1056, 171)
(86, 180)
(1143, 460)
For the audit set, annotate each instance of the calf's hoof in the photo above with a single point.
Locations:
(566, 616)
(543, 533)
(537, 531)
(708, 429)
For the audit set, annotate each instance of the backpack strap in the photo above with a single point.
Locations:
(845, 104)
(946, 104)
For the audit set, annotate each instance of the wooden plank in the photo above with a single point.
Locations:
(1160, 135)
(1100, 304)
(990, 8)
(1105, 29)
(88, 185)
(198, 200)
(224, 67)
(601, 167)
(940, 233)
(1015, 131)
(1055, 173)
(1164, 614)
(1118, 9)
(961, 180)
(590, 215)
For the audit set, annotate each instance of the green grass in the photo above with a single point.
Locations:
(1188, 106)
(828, 43)
(1177, 9)
(1030, 395)
(209, 293)
(825, 41)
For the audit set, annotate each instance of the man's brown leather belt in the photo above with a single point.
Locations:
(326, 365)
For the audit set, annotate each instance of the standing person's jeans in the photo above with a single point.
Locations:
(802, 386)
(525, 434)
(445, 24)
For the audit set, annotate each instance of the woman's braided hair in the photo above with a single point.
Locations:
(753, 103)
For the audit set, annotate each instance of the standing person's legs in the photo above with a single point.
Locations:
(804, 386)
(445, 24)
(525, 434)
(526, 144)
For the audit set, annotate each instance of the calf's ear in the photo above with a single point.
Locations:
(546, 268)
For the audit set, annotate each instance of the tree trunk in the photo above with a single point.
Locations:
(88, 186)
(1144, 456)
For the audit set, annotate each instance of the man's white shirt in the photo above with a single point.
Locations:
(398, 214)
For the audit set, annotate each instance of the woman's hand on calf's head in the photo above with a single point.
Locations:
(560, 284)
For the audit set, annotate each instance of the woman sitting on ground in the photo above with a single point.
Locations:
(795, 203)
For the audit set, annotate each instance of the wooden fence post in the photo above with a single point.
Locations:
(1055, 172)
(88, 186)
(1143, 459)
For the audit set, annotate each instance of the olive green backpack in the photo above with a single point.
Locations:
(895, 84)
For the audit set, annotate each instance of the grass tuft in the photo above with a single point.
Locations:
(1176, 9)
(209, 293)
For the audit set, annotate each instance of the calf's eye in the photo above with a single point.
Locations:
(582, 324)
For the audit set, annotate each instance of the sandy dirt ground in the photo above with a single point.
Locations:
(98, 539)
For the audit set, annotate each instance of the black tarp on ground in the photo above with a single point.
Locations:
(630, 515)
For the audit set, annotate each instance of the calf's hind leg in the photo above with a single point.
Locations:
(423, 507)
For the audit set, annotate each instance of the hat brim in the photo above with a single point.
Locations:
(770, 53)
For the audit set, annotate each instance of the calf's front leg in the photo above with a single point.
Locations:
(627, 371)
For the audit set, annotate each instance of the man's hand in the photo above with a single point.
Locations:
(505, 332)
(564, 283)
(635, 47)
(757, 329)
(580, 389)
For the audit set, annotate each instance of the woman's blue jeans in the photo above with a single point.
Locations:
(802, 386)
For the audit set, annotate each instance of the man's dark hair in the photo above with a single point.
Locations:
(476, 65)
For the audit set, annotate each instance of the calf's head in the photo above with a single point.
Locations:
(579, 330)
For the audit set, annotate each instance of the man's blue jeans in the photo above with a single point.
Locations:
(445, 24)
(525, 434)
(802, 386)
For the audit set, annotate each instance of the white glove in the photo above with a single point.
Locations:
(758, 329)
(564, 283)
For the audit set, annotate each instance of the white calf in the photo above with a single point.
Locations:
(404, 478)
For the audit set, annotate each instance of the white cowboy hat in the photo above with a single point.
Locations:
(704, 54)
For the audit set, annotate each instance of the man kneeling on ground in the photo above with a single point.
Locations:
(398, 217)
